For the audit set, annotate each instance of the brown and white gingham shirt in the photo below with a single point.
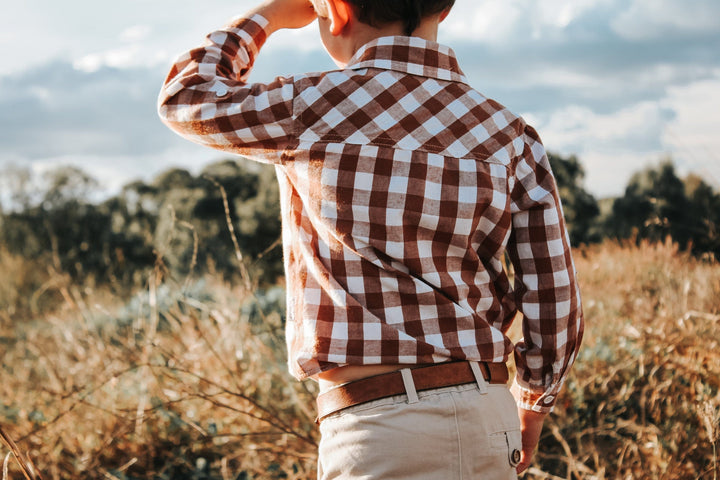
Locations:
(401, 190)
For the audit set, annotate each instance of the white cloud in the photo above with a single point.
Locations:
(692, 136)
(561, 13)
(650, 19)
(492, 21)
(509, 21)
(578, 126)
(607, 173)
(135, 33)
(74, 29)
(550, 19)
(141, 45)
(128, 56)
(555, 76)
(611, 146)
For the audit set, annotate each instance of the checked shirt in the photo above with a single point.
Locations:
(402, 190)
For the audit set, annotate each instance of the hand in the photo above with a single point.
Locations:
(531, 424)
(286, 13)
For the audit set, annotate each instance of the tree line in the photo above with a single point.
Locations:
(178, 221)
(657, 204)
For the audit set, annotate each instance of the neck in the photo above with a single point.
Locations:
(358, 34)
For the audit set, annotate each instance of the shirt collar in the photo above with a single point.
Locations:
(411, 55)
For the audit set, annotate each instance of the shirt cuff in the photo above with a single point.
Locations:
(237, 23)
(244, 36)
(540, 402)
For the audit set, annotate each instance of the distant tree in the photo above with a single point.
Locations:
(23, 233)
(658, 204)
(62, 225)
(259, 225)
(184, 215)
(254, 207)
(67, 184)
(653, 199)
(703, 215)
(57, 219)
(17, 191)
(580, 207)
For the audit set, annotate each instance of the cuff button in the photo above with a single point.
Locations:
(548, 399)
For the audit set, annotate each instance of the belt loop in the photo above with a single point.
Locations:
(409, 385)
(481, 382)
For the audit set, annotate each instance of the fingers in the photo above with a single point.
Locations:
(525, 460)
(287, 13)
(531, 427)
(530, 440)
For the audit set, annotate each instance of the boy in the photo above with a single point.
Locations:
(402, 189)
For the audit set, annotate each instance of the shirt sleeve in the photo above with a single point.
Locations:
(546, 289)
(206, 99)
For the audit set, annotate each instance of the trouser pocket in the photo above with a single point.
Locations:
(508, 443)
(506, 446)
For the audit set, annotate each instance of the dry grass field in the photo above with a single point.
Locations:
(187, 379)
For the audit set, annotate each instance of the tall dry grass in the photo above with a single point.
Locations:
(644, 397)
(188, 379)
(171, 384)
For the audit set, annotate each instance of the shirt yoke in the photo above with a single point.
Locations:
(388, 108)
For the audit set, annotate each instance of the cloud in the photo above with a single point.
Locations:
(692, 135)
(100, 107)
(608, 173)
(130, 56)
(611, 146)
(132, 52)
(135, 33)
(561, 13)
(604, 75)
(103, 119)
(634, 128)
(651, 19)
(114, 171)
(38, 32)
(618, 82)
(513, 22)
(488, 22)
(682, 125)
(57, 109)
(503, 22)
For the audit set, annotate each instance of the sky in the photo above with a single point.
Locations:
(621, 84)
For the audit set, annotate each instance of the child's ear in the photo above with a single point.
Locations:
(340, 13)
(444, 14)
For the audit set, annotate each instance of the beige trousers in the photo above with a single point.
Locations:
(464, 432)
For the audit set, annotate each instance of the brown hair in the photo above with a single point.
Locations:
(409, 12)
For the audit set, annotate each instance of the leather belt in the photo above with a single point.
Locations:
(388, 384)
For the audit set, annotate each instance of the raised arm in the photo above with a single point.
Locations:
(206, 97)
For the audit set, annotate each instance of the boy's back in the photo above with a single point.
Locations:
(401, 188)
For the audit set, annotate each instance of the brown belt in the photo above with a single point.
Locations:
(388, 384)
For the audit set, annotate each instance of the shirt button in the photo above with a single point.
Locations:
(548, 400)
